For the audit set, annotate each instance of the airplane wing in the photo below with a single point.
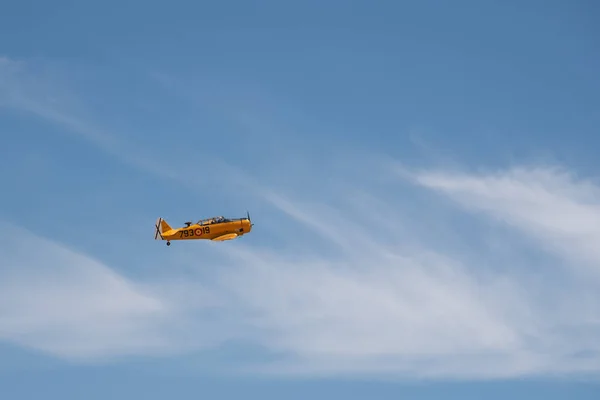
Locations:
(228, 236)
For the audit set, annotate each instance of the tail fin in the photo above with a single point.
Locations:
(161, 227)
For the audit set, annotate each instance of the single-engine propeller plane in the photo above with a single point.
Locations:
(216, 228)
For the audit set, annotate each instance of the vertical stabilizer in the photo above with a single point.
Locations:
(161, 227)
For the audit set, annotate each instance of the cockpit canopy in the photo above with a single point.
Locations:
(213, 220)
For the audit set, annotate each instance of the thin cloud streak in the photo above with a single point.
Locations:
(561, 212)
(392, 308)
(22, 89)
(69, 305)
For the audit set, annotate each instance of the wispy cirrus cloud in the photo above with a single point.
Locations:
(391, 308)
(398, 307)
(550, 205)
(370, 279)
(68, 304)
(39, 90)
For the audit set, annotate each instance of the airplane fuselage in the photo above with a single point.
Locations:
(207, 229)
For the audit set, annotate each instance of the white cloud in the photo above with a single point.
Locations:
(350, 309)
(70, 305)
(40, 91)
(382, 302)
(549, 204)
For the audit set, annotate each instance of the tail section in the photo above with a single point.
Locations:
(161, 227)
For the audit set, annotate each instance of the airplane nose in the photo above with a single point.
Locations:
(246, 226)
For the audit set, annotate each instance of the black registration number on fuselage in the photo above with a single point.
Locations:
(203, 230)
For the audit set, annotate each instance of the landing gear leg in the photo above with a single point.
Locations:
(168, 243)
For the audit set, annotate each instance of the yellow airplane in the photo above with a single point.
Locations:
(216, 228)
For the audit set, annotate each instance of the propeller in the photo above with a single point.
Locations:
(248, 216)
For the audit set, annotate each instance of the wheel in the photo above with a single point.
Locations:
(168, 243)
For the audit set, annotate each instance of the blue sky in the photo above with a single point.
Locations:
(423, 178)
